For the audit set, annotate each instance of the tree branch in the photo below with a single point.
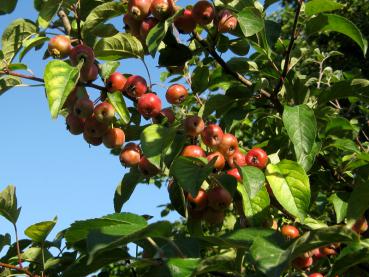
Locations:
(37, 79)
(235, 74)
(13, 267)
(220, 61)
(294, 35)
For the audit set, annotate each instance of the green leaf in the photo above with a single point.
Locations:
(47, 12)
(14, 35)
(8, 204)
(109, 68)
(358, 201)
(101, 14)
(345, 145)
(80, 267)
(17, 66)
(39, 231)
(155, 140)
(117, 100)
(109, 237)
(290, 186)
(79, 230)
(339, 201)
(180, 267)
(255, 209)
(177, 198)
(219, 104)
(7, 6)
(8, 82)
(301, 127)
(190, 173)
(344, 89)
(250, 21)
(120, 46)
(252, 179)
(105, 30)
(351, 255)
(4, 240)
(200, 79)
(126, 187)
(174, 55)
(30, 43)
(60, 79)
(319, 6)
(336, 23)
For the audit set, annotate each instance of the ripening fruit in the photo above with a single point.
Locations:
(199, 202)
(165, 113)
(82, 51)
(290, 231)
(130, 155)
(135, 86)
(203, 12)
(212, 135)
(59, 46)
(226, 21)
(104, 112)
(213, 217)
(302, 262)
(316, 275)
(316, 253)
(116, 82)
(83, 108)
(193, 125)
(237, 158)
(147, 168)
(328, 251)
(185, 23)
(75, 125)
(139, 9)
(257, 157)
(114, 138)
(360, 226)
(95, 141)
(176, 94)
(131, 25)
(235, 173)
(220, 161)
(162, 9)
(95, 128)
(228, 145)
(219, 198)
(89, 74)
(77, 93)
(193, 151)
(146, 25)
(149, 105)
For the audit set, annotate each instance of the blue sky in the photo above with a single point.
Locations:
(56, 173)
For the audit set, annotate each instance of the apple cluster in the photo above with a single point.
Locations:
(305, 261)
(143, 15)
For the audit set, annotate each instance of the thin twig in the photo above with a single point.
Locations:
(13, 267)
(220, 61)
(37, 79)
(64, 18)
(18, 248)
(235, 74)
(75, 9)
(294, 35)
(147, 71)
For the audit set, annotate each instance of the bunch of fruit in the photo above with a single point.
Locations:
(305, 261)
(143, 15)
